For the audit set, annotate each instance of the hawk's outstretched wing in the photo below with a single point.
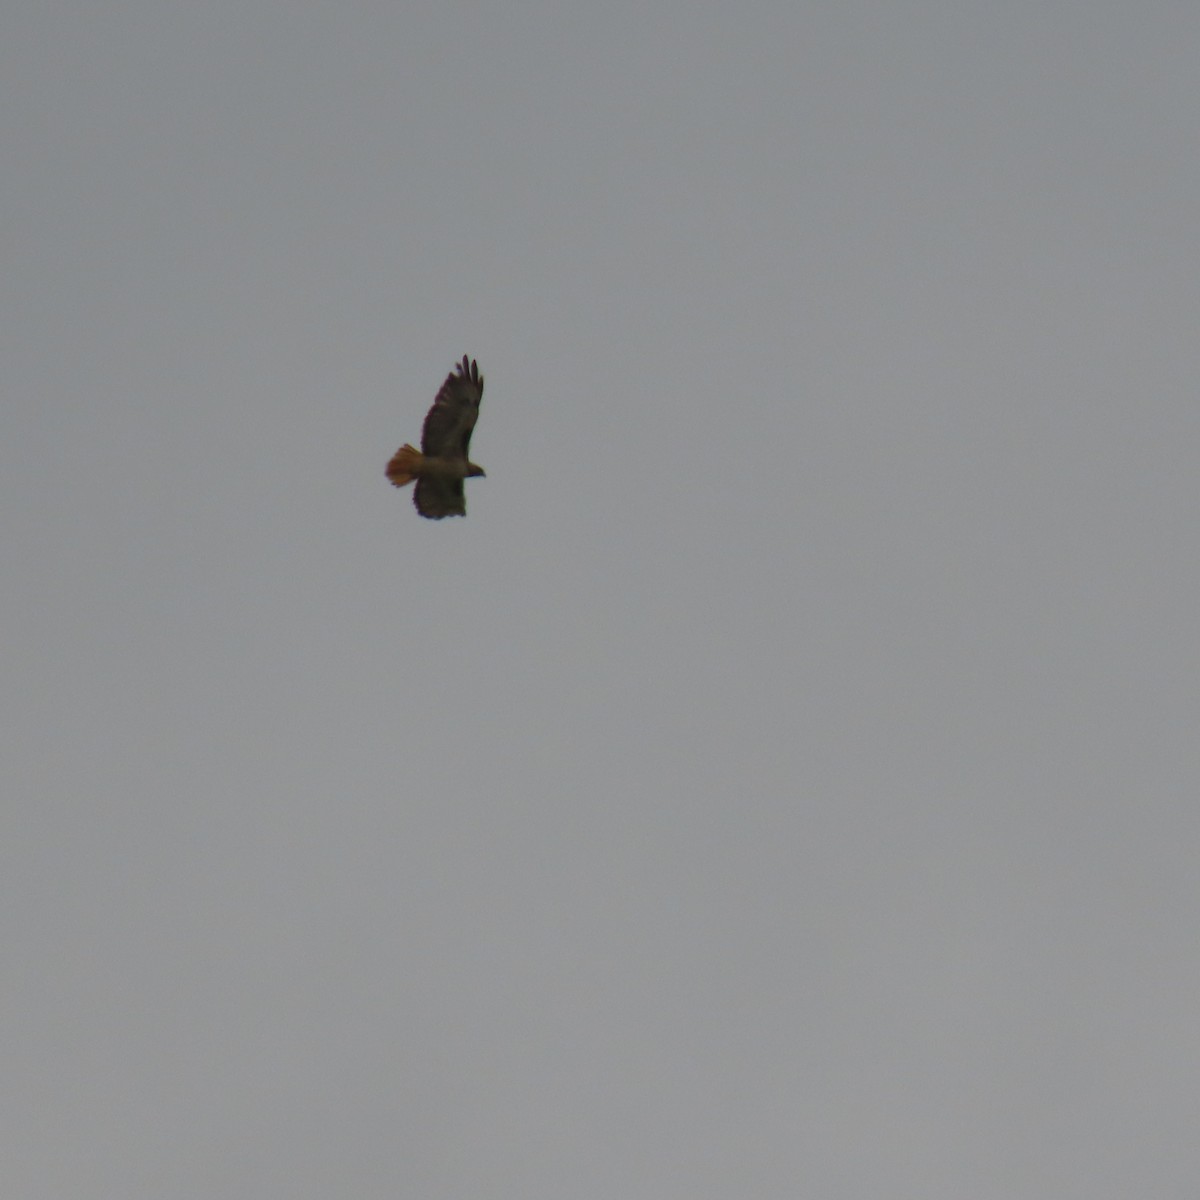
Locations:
(448, 424)
(440, 496)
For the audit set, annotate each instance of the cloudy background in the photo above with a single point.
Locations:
(783, 783)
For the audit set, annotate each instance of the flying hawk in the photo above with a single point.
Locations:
(441, 465)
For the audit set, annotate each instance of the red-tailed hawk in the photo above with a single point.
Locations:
(441, 465)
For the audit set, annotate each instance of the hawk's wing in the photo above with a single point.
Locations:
(437, 496)
(448, 424)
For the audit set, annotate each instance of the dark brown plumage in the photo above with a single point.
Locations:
(441, 465)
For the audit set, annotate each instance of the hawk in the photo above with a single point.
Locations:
(441, 465)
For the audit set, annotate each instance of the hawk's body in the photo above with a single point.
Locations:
(441, 465)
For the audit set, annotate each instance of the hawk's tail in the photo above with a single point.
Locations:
(405, 465)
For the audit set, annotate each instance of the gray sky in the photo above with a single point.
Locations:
(783, 783)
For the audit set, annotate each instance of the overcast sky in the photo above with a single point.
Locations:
(783, 783)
